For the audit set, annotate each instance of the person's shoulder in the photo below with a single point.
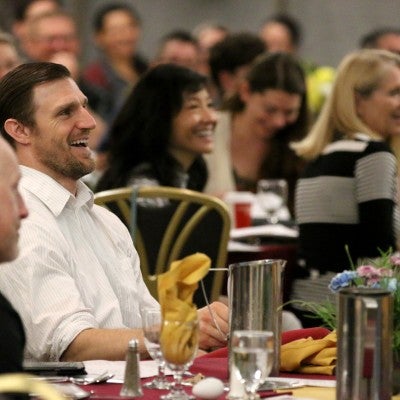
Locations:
(106, 215)
(143, 174)
(373, 145)
(360, 144)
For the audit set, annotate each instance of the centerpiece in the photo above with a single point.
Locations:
(380, 273)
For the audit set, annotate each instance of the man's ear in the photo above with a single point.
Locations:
(18, 131)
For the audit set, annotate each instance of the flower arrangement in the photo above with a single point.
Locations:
(381, 273)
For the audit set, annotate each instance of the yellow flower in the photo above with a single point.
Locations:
(319, 84)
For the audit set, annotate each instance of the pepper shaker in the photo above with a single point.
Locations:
(132, 386)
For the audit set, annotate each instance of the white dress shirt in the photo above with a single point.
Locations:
(77, 268)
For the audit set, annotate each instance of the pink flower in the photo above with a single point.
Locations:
(395, 260)
(386, 272)
(368, 271)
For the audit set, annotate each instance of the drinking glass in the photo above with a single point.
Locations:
(252, 359)
(179, 343)
(272, 196)
(151, 318)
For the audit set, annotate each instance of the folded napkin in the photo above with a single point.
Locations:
(310, 356)
(317, 332)
(287, 336)
(175, 292)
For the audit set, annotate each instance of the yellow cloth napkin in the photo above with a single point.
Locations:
(176, 288)
(310, 356)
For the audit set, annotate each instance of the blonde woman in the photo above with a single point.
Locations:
(347, 193)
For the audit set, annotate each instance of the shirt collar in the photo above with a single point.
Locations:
(54, 195)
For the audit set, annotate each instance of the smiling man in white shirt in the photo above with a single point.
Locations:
(77, 283)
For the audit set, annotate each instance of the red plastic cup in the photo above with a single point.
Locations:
(240, 206)
(242, 215)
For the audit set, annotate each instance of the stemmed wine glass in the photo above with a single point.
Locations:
(179, 344)
(252, 359)
(151, 318)
(272, 196)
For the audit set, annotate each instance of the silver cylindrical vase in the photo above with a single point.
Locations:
(364, 352)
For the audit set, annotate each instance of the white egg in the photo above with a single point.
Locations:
(208, 388)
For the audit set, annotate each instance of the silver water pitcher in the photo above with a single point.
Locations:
(364, 352)
(255, 300)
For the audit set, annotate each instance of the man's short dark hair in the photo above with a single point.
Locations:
(290, 24)
(370, 39)
(101, 13)
(180, 35)
(16, 91)
(236, 50)
(21, 6)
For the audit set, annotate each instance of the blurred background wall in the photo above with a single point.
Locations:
(331, 28)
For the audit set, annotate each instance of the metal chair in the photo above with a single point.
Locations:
(183, 223)
(22, 383)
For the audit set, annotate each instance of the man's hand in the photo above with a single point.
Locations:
(213, 333)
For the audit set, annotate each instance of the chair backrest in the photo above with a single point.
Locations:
(183, 222)
(28, 384)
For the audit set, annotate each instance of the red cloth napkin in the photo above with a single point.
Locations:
(288, 336)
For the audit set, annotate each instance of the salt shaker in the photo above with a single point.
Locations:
(131, 386)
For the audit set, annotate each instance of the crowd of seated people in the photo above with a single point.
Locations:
(210, 113)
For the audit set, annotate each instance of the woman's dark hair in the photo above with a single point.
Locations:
(17, 87)
(142, 129)
(279, 71)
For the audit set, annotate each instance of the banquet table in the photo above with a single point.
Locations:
(215, 364)
(217, 367)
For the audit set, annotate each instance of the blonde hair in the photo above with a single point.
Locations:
(359, 74)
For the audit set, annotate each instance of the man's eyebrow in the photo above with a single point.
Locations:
(72, 104)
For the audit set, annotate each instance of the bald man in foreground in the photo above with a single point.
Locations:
(12, 210)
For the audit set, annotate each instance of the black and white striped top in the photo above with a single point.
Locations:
(347, 196)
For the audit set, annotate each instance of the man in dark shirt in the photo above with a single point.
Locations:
(12, 210)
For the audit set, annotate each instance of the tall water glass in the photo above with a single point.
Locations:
(252, 359)
(272, 196)
(151, 318)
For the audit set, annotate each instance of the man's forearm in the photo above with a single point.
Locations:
(103, 344)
